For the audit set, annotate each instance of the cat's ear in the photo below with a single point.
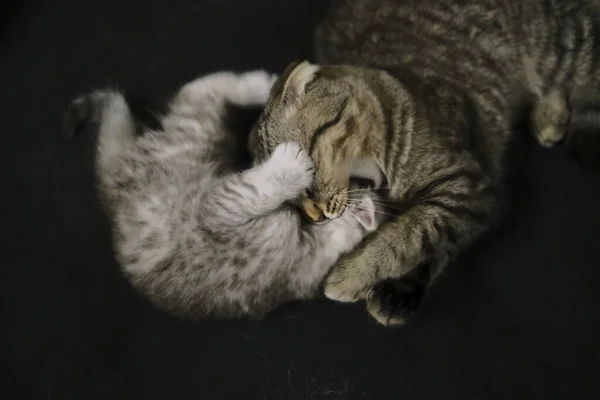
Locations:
(292, 83)
(365, 214)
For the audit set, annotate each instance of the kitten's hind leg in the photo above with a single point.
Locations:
(207, 97)
(108, 111)
(238, 198)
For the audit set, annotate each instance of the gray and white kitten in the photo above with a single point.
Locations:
(196, 238)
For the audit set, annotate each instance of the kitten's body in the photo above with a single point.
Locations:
(431, 89)
(195, 237)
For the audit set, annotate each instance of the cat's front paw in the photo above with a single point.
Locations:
(395, 301)
(293, 166)
(349, 280)
(550, 117)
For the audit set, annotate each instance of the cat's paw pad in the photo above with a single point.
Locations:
(86, 109)
(395, 301)
(257, 86)
(293, 164)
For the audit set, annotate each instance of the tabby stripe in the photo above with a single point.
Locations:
(577, 45)
(595, 54)
(408, 127)
(220, 204)
(459, 198)
(387, 106)
(474, 55)
(229, 189)
(228, 197)
(448, 231)
(349, 131)
(234, 189)
(442, 180)
(163, 265)
(561, 50)
(249, 187)
(454, 38)
(584, 56)
(546, 52)
(323, 128)
(263, 134)
(461, 212)
(427, 246)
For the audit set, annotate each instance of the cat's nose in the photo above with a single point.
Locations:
(313, 211)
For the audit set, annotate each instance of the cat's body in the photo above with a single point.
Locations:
(196, 238)
(431, 90)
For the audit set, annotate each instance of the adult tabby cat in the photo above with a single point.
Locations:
(196, 238)
(430, 90)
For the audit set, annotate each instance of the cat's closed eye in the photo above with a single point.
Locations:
(361, 183)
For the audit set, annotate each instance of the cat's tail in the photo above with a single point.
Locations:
(107, 112)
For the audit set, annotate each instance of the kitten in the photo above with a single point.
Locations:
(432, 91)
(196, 238)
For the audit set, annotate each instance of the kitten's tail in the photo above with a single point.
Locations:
(107, 111)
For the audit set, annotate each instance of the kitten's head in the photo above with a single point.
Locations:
(330, 112)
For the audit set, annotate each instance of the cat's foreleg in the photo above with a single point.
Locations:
(398, 263)
(238, 198)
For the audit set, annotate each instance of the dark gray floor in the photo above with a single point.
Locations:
(517, 318)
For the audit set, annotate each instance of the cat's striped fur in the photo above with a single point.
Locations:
(431, 90)
(196, 238)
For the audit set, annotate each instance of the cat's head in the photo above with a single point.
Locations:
(330, 112)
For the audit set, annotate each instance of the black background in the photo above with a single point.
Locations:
(516, 318)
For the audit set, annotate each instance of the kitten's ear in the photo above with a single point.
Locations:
(365, 214)
(292, 82)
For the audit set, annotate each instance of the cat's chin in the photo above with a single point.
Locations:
(310, 221)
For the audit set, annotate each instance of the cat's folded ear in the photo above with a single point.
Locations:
(365, 214)
(292, 83)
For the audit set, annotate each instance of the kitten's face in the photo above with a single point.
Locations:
(324, 110)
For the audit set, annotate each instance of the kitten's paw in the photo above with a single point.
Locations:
(256, 86)
(348, 281)
(87, 109)
(293, 166)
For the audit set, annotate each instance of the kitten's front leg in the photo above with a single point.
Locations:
(236, 199)
(398, 263)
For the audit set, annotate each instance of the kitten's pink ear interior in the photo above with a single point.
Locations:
(365, 214)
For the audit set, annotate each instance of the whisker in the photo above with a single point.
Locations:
(378, 211)
(382, 204)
